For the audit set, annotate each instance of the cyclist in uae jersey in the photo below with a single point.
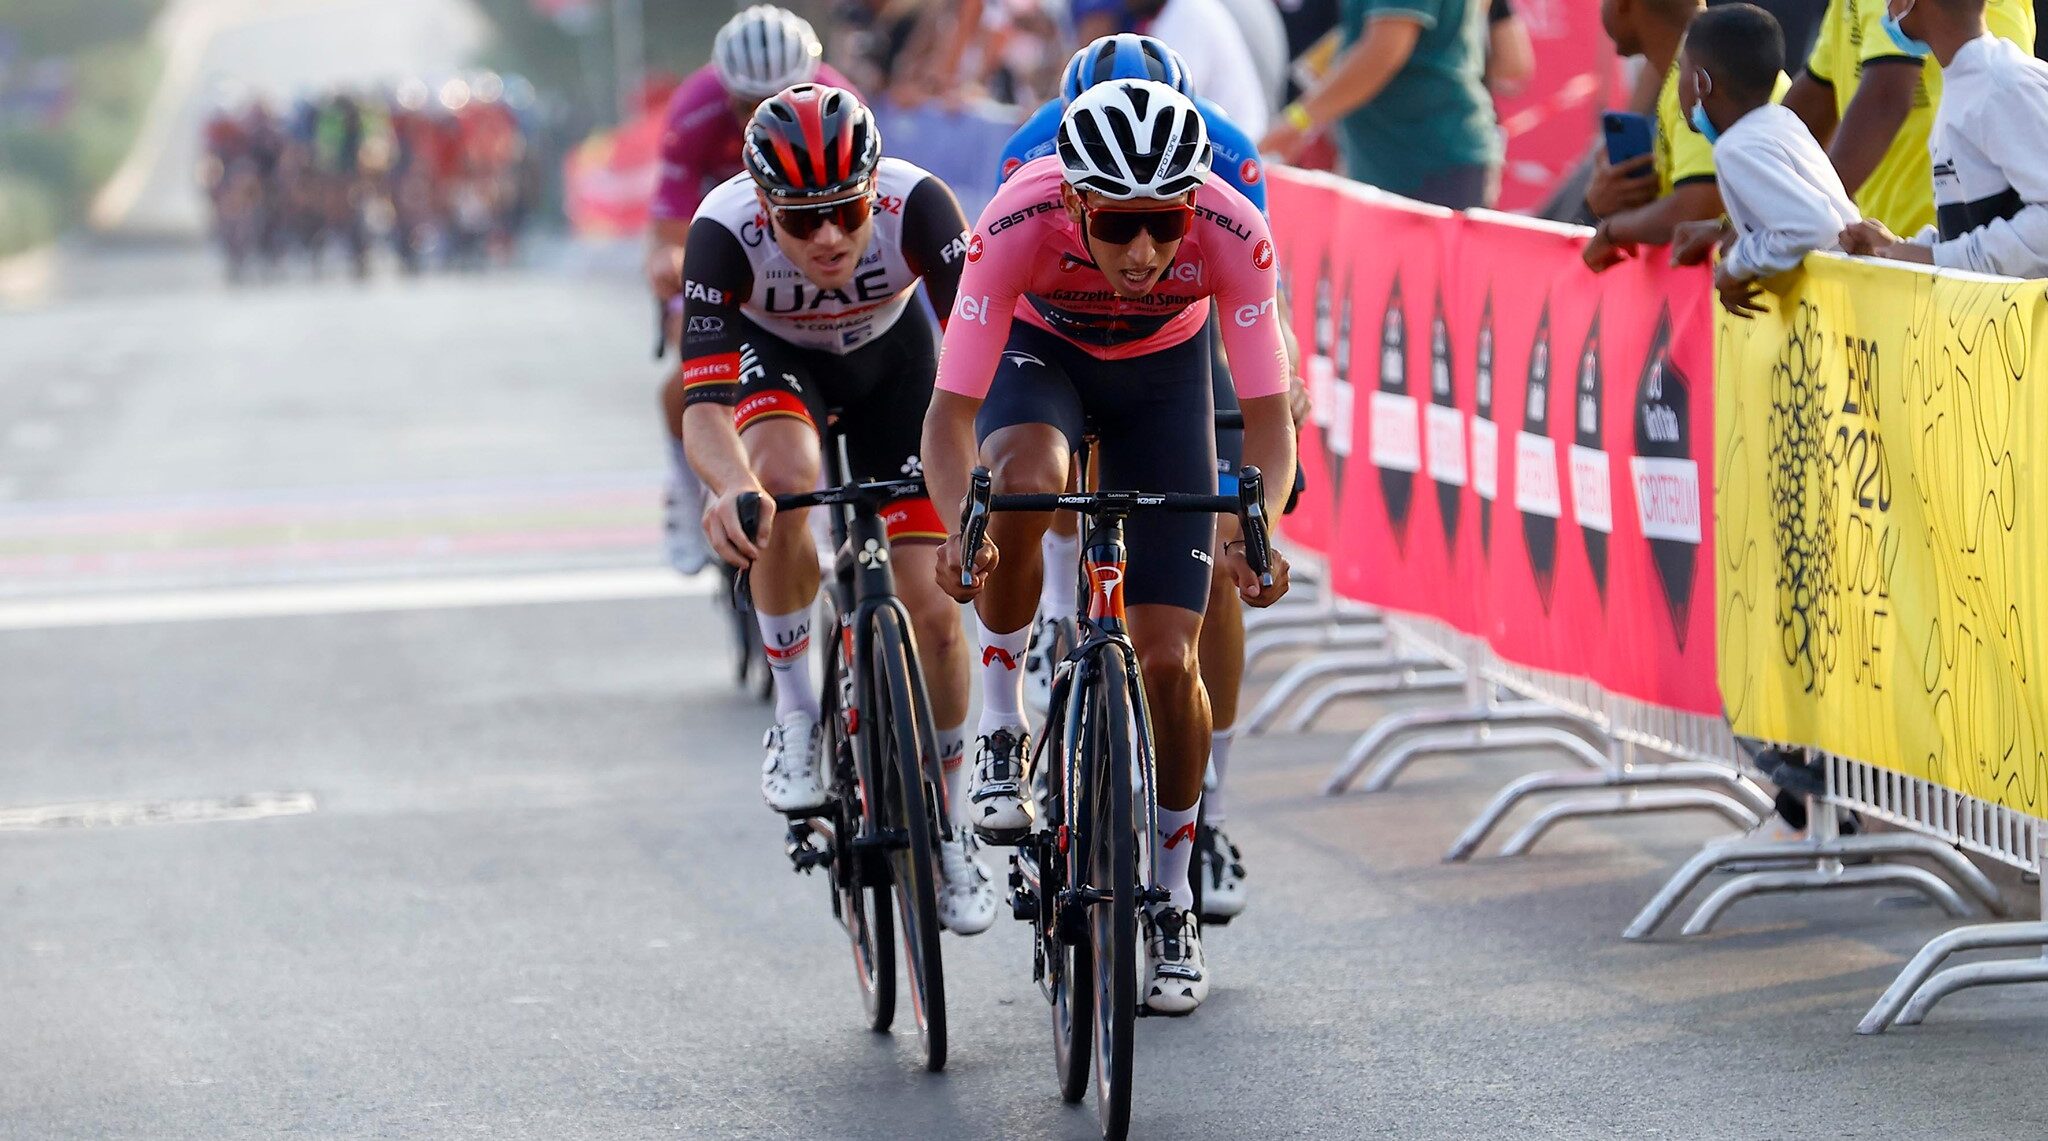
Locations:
(797, 308)
(756, 54)
(1089, 279)
(1234, 159)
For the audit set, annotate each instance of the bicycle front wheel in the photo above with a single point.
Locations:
(902, 731)
(1112, 842)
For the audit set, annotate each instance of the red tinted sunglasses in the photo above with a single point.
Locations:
(801, 222)
(1121, 227)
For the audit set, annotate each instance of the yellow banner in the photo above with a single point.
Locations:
(1881, 494)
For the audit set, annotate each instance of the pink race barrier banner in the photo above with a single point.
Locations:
(1505, 441)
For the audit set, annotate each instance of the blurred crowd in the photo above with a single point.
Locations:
(442, 175)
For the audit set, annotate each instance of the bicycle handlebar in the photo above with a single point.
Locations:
(875, 493)
(1248, 505)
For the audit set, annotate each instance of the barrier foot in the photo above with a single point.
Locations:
(1576, 746)
(1999, 972)
(1320, 634)
(1477, 716)
(1304, 674)
(1627, 803)
(1399, 675)
(1826, 878)
(1977, 937)
(1951, 864)
(1650, 776)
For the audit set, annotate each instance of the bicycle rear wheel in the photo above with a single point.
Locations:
(1113, 928)
(902, 734)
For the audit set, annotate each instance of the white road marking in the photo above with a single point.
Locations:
(353, 597)
(127, 813)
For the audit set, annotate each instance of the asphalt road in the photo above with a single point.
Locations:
(536, 896)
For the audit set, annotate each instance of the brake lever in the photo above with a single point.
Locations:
(748, 508)
(974, 522)
(1251, 509)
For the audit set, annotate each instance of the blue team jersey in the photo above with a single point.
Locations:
(1233, 154)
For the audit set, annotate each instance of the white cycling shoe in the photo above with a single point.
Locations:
(682, 528)
(1178, 979)
(1221, 867)
(996, 807)
(792, 780)
(967, 896)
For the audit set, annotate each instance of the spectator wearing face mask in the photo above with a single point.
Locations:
(1872, 105)
(1989, 147)
(1783, 197)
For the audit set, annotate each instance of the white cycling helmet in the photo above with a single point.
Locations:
(1133, 138)
(763, 50)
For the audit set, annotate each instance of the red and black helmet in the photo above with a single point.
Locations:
(812, 141)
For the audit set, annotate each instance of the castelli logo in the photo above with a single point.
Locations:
(1249, 173)
(1262, 254)
(1010, 166)
(974, 248)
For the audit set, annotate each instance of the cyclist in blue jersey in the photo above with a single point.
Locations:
(1235, 159)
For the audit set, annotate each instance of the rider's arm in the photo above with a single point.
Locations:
(719, 277)
(948, 452)
(677, 194)
(935, 242)
(1249, 313)
(982, 310)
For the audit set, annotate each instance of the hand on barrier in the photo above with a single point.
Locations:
(1693, 241)
(1866, 237)
(1603, 253)
(1738, 294)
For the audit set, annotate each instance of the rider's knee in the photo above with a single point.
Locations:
(1166, 658)
(1021, 470)
(936, 619)
(783, 473)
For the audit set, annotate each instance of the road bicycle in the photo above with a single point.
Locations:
(1083, 872)
(878, 833)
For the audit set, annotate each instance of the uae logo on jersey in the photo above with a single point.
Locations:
(1667, 476)
(1485, 433)
(1396, 431)
(1536, 491)
(1592, 489)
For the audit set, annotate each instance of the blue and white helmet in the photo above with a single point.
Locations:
(1133, 138)
(1124, 56)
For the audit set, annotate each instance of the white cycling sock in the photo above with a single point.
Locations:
(787, 638)
(1177, 851)
(1219, 761)
(680, 470)
(1002, 682)
(1056, 595)
(952, 757)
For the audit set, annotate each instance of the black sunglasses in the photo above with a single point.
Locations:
(801, 222)
(1121, 227)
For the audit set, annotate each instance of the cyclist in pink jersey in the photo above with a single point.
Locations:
(1082, 307)
(758, 53)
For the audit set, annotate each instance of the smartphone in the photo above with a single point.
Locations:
(1628, 135)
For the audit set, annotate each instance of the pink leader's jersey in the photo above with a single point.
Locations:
(700, 141)
(1026, 260)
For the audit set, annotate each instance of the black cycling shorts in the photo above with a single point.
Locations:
(878, 391)
(1154, 419)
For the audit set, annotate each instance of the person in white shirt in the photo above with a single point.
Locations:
(1265, 40)
(1989, 145)
(1783, 197)
(1217, 59)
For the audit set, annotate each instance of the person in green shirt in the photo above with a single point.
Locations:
(1409, 100)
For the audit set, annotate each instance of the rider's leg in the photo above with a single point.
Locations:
(1059, 552)
(1024, 459)
(1165, 638)
(942, 652)
(1222, 657)
(684, 501)
(784, 454)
